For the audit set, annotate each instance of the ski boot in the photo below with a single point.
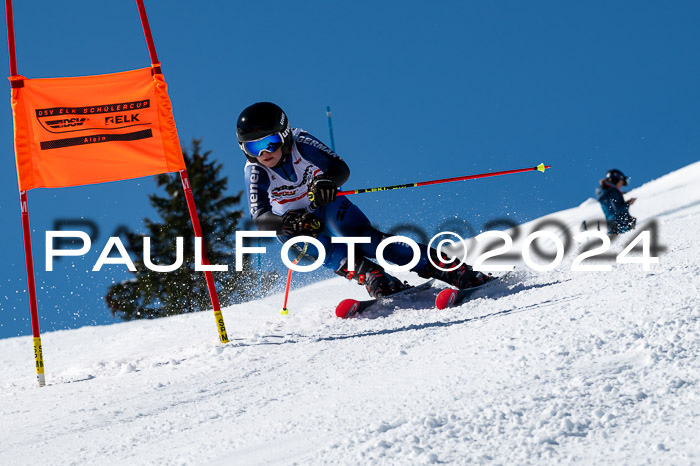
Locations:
(462, 277)
(377, 282)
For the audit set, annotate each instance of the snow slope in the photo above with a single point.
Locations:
(573, 367)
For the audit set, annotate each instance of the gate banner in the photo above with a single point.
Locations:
(93, 129)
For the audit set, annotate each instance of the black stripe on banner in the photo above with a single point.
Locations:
(96, 138)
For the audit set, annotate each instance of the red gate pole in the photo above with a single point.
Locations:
(11, 37)
(24, 207)
(149, 37)
(223, 337)
(31, 287)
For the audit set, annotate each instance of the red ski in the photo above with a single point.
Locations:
(451, 297)
(350, 307)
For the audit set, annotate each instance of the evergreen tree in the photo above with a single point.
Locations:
(152, 294)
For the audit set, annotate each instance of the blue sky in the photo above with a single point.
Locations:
(418, 91)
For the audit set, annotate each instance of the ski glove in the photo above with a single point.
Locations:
(295, 223)
(322, 191)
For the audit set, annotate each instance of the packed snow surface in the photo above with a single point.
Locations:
(542, 368)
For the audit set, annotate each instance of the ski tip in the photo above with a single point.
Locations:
(446, 298)
(347, 308)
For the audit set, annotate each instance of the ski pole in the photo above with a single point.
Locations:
(284, 310)
(330, 127)
(541, 167)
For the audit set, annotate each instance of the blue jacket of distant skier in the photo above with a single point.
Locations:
(615, 208)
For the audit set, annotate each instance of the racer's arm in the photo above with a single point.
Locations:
(617, 202)
(323, 157)
(256, 184)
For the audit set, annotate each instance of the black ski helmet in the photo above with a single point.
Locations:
(262, 119)
(615, 175)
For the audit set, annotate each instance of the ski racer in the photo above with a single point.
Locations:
(613, 203)
(291, 183)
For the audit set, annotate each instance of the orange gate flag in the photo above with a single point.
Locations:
(93, 129)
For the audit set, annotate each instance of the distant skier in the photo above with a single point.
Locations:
(615, 208)
(291, 182)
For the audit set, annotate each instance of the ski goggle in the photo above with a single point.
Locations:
(268, 143)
